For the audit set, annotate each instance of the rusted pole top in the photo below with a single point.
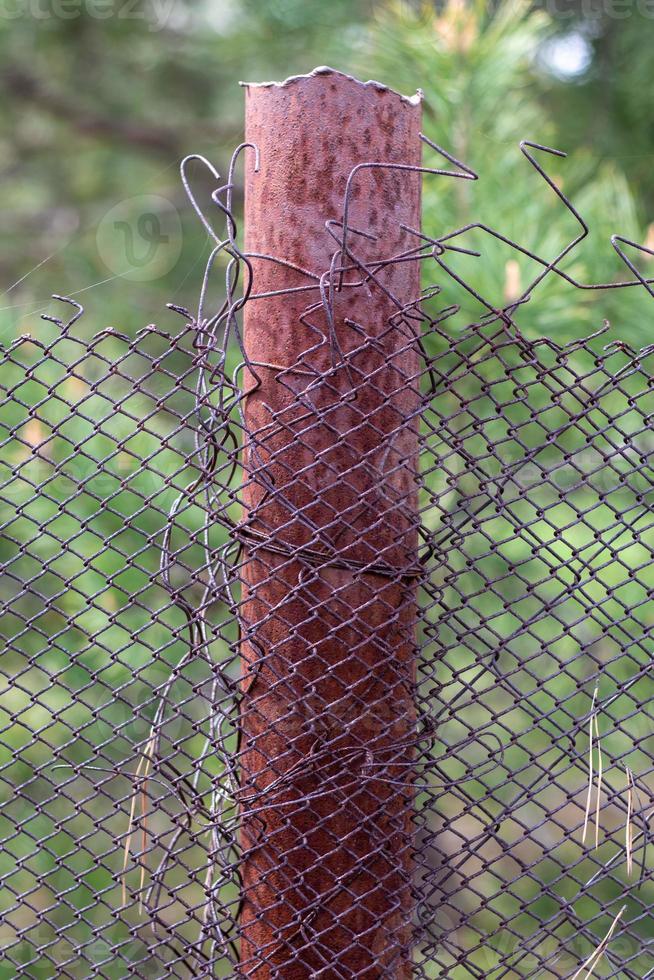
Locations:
(328, 606)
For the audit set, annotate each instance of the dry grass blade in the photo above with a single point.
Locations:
(128, 841)
(629, 839)
(590, 767)
(599, 781)
(594, 959)
(139, 777)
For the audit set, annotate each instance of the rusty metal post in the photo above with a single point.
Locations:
(330, 535)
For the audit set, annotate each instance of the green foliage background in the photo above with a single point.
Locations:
(100, 103)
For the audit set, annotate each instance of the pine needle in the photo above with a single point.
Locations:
(144, 841)
(142, 777)
(128, 839)
(599, 782)
(595, 957)
(629, 839)
(590, 767)
(144, 816)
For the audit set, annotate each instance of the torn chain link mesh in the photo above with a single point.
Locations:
(498, 715)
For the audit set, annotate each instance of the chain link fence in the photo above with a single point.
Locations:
(356, 682)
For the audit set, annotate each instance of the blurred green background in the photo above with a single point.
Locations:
(100, 102)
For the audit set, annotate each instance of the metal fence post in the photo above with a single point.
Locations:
(330, 530)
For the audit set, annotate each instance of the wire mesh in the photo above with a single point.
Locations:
(460, 715)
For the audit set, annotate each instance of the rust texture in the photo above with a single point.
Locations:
(328, 614)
